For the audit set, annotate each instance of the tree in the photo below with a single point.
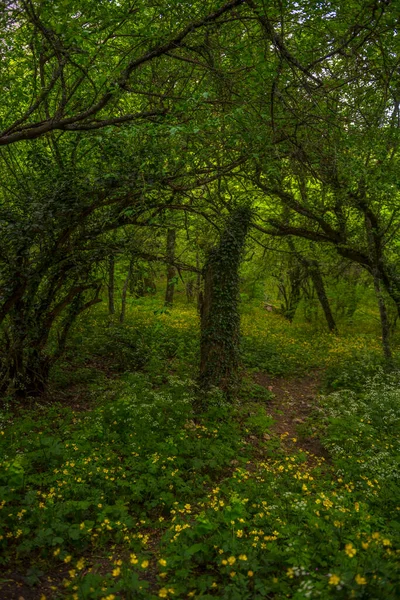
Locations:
(85, 69)
(55, 236)
(327, 157)
(220, 322)
(170, 255)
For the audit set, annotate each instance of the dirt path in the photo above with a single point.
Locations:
(294, 400)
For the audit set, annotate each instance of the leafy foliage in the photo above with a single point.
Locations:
(137, 497)
(253, 148)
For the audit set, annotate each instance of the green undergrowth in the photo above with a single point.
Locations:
(157, 342)
(134, 495)
(139, 498)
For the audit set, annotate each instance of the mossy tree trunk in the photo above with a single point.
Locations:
(220, 321)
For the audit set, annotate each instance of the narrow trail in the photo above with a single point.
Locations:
(295, 398)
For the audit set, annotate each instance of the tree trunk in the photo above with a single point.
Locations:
(309, 308)
(169, 292)
(198, 284)
(190, 290)
(293, 297)
(314, 272)
(125, 291)
(220, 321)
(319, 286)
(111, 280)
(35, 376)
(374, 251)
(385, 326)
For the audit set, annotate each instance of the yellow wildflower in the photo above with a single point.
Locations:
(334, 580)
(360, 580)
(350, 550)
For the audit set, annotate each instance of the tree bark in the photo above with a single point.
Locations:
(198, 284)
(314, 272)
(292, 299)
(170, 253)
(125, 291)
(375, 257)
(190, 286)
(316, 277)
(385, 327)
(111, 284)
(220, 321)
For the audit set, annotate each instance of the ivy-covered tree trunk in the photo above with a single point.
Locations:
(220, 321)
(169, 292)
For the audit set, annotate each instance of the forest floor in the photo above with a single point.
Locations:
(113, 489)
(294, 399)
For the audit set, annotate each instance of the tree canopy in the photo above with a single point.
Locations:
(122, 117)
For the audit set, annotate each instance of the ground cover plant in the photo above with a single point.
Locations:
(137, 496)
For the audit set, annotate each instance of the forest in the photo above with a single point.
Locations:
(199, 299)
